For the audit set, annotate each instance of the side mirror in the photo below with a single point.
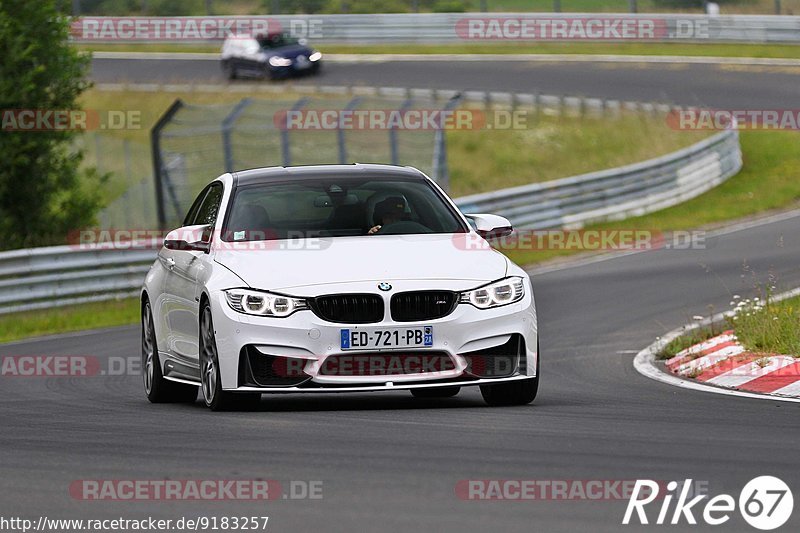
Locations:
(189, 238)
(491, 226)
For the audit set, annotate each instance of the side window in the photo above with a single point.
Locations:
(207, 213)
(190, 216)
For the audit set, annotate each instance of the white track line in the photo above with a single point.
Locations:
(535, 58)
(645, 363)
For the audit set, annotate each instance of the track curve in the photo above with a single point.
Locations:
(391, 463)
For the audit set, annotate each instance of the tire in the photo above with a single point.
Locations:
(520, 392)
(436, 392)
(158, 389)
(214, 397)
(230, 70)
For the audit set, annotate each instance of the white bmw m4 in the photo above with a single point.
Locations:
(335, 278)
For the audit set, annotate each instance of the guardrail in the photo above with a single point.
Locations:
(617, 193)
(40, 278)
(438, 28)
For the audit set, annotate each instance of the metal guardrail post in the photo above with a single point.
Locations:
(440, 171)
(158, 161)
(352, 104)
(286, 148)
(227, 129)
(393, 145)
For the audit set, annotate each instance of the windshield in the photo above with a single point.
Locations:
(277, 40)
(338, 208)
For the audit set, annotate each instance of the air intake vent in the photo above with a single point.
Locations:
(349, 308)
(422, 305)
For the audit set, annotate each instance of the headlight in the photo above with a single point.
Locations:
(503, 292)
(316, 56)
(263, 303)
(278, 61)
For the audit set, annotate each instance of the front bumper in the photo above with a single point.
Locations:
(296, 68)
(311, 340)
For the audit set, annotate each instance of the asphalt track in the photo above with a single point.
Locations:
(391, 463)
(724, 86)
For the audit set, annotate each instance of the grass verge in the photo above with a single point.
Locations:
(774, 51)
(695, 336)
(487, 160)
(69, 318)
(770, 180)
(769, 327)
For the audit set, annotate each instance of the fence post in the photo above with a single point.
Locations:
(286, 149)
(441, 173)
(352, 104)
(158, 161)
(393, 147)
(227, 129)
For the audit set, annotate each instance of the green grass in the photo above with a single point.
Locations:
(778, 51)
(694, 336)
(69, 318)
(769, 327)
(770, 180)
(486, 160)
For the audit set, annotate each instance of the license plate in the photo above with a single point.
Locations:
(379, 338)
(301, 63)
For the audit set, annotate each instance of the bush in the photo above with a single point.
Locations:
(42, 192)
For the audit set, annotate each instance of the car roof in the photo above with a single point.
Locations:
(370, 171)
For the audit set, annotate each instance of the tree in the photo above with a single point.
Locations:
(43, 192)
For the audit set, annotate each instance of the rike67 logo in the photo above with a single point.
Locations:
(765, 503)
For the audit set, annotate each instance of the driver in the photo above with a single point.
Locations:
(388, 211)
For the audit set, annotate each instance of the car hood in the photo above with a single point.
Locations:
(286, 264)
(291, 51)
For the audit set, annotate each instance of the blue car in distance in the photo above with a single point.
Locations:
(277, 55)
